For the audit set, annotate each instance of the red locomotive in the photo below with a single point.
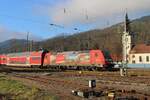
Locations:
(81, 60)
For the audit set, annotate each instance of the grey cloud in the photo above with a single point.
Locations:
(76, 10)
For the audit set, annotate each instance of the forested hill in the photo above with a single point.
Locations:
(108, 38)
(17, 45)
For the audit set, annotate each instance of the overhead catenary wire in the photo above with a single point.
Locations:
(36, 21)
(84, 13)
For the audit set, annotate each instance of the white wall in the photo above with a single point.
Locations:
(135, 57)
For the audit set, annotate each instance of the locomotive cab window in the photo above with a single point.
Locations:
(107, 56)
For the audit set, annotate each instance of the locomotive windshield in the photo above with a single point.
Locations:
(107, 56)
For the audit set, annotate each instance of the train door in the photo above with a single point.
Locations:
(47, 59)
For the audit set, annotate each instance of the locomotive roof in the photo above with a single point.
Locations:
(19, 54)
(86, 51)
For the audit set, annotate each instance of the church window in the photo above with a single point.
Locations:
(147, 58)
(133, 56)
(133, 61)
(140, 58)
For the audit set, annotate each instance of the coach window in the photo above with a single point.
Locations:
(140, 58)
(36, 58)
(147, 58)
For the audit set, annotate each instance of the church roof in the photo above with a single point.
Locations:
(140, 48)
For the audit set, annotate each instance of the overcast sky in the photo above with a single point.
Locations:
(17, 17)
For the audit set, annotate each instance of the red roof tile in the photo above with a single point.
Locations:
(140, 48)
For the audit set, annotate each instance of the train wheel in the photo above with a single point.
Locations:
(61, 68)
(98, 69)
(78, 68)
(40, 67)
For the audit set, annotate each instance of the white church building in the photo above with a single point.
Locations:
(140, 54)
(134, 54)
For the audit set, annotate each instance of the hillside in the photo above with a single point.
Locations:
(16, 45)
(108, 38)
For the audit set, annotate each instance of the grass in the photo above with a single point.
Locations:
(11, 89)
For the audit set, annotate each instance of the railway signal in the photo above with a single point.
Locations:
(92, 83)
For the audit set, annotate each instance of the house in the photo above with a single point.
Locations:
(140, 54)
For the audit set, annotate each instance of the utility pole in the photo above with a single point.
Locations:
(27, 42)
(31, 45)
(63, 46)
(15, 46)
(89, 40)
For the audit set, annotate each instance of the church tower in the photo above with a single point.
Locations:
(127, 39)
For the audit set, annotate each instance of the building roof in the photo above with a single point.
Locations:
(140, 48)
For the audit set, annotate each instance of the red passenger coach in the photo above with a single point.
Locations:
(27, 59)
(18, 59)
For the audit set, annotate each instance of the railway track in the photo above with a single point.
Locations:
(58, 86)
(62, 83)
(49, 80)
(27, 69)
(124, 80)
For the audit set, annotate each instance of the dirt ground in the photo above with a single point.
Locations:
(136, 84)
